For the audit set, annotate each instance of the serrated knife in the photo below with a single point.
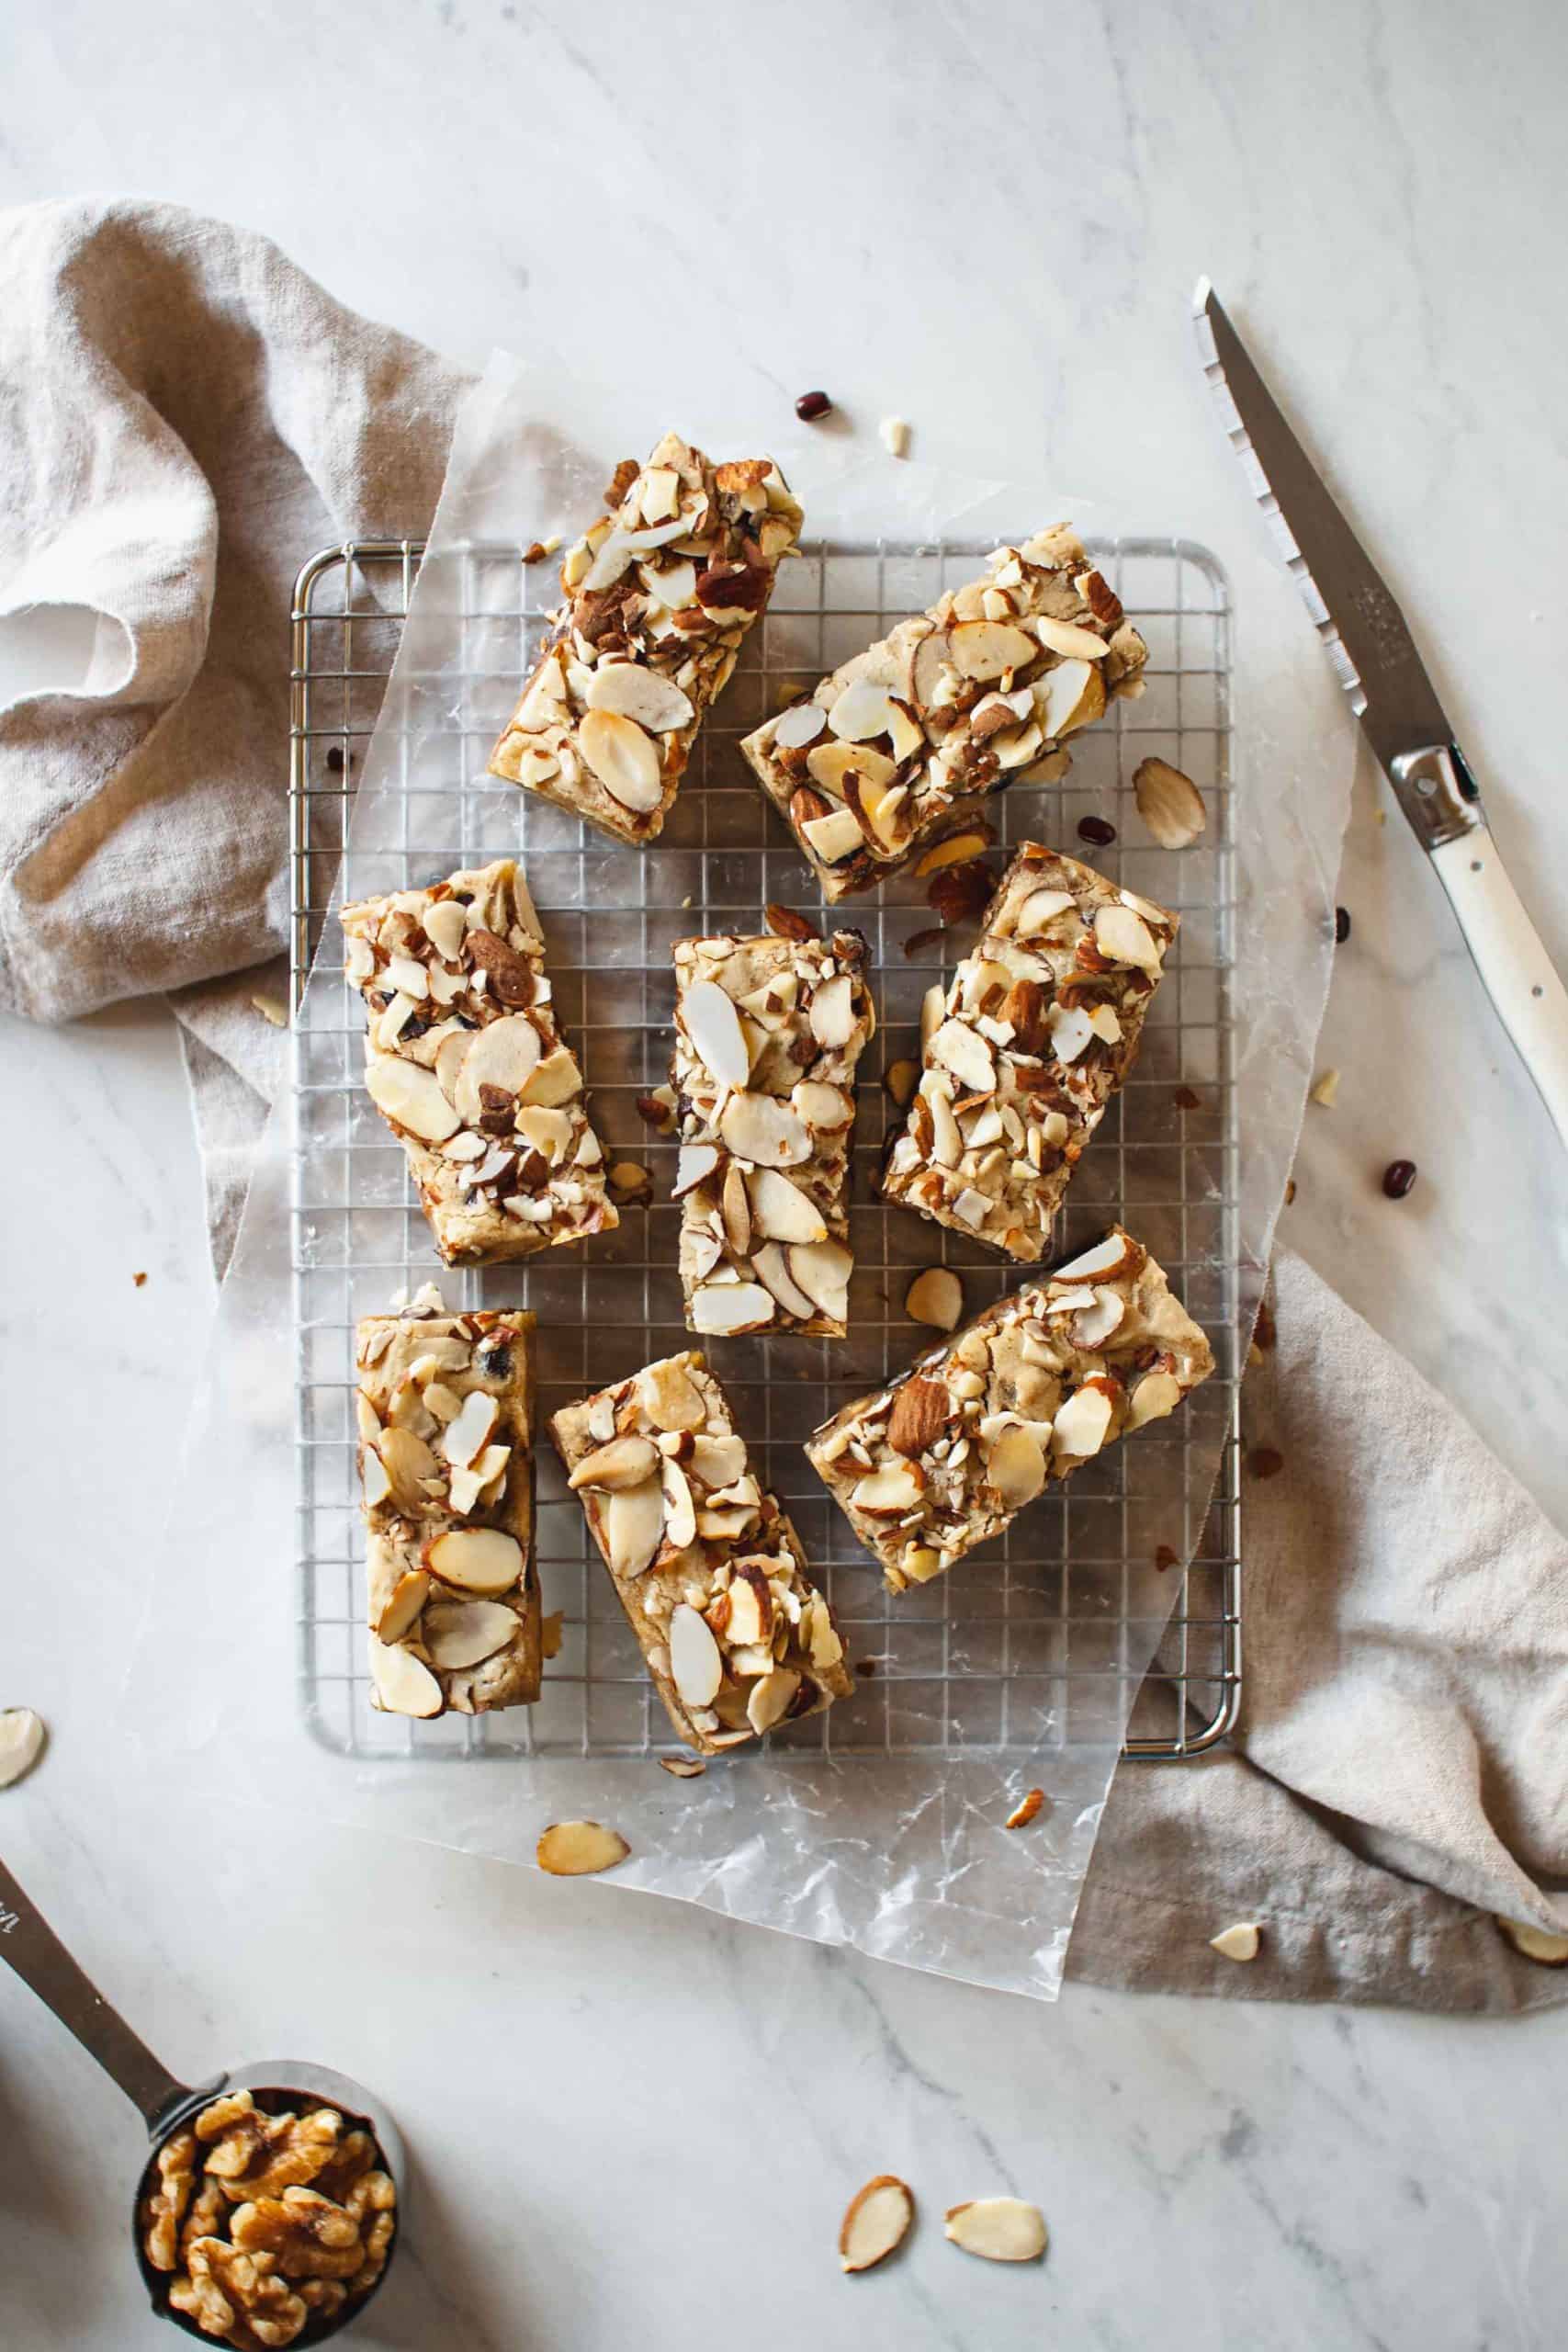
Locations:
(1375, 658)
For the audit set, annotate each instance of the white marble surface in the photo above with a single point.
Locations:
(986, 215)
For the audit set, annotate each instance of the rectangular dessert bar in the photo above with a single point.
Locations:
(946, 1456)
(656, 599)
(768, 1033)
(446, 1412)
(706, 1566)
(1039, 1026)
(464, 1061)
(903, 744)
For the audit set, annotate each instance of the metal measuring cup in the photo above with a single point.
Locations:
(165, 2104)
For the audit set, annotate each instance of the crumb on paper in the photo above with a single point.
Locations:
(139, 1280)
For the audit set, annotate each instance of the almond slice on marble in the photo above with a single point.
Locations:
(477, 1559)
(1534, 1943)
(1025, 1809)
(696, 1667)
(625, 1462)
(935, 1297)
(655, 702)
(712, 1025)
(1000, 2229)
(1169, 802)
(877, 2221)
(760, 1128)
(404, 1685)
(465, 1633)
(624, 759)
(722, 1310)
(408, 1597)
(21, 1743)
(411, 1097)
(682, 1767)
(1238, 1942)
(579, 1849)
(632, 1523)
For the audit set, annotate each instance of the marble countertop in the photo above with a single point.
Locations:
(631, 2120)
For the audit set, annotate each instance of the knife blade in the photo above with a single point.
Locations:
(1375, 657)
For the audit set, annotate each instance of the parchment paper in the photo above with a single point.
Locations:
(892, 1839)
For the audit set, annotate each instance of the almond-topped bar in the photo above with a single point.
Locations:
(945, 1458)
(464, 1061)
(768, 1033)
(903, 744)
(706, 1566)
(1039, 1026)
(446, 1409)
(656, 598)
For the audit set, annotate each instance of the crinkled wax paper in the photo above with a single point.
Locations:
(883, 1830)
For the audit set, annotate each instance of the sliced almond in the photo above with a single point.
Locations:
(1015, 1467)
(21, 1743)
(800, 726)
(735, 1208)
(624, 759)
(1098, 1317)
(404, 1685)
(680, 1510)
(1067, 638)
(505, 1054)
(694, 1163)
(446, 924)
(1158, 1393)
(579, 1849)
(450, 1056)
(1025, 1809)
(1239, 1942)
(653, 701)
(409, 1462)
(682, 1767)
(1068, 697)
(669, 1396)
(900, 1079)
(718, 1461)
(1169, 802)
(625, 1462)
(712, 1025)
(696, 1667)
(877, 2221)
(987, 649)
(890, 1491)
(935, 1297)
(632, 1526)
(412, 1097)
(465, 1633)
(556, 1079)
(1081, 1423)
(465, 1436)
(548, 1131)
(823, 1269)
(864, 709)
(833, 837)
(958, 848)
(771, 1698)
(1101, 1262)
(1040, 910)
(1125, 938)
(772, 1268)
(408, 1597)
(966, 1053)
(931, 1007)
(760, 1128)
(1325, 1090)
(781, 1211)
(827, 1108)
(1000, 2229)
(833, 1013)
(477, 1559)
(1535, 1943)
(722, 1310)
(830, 765)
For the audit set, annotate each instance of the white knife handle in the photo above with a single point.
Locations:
(1531, 1001)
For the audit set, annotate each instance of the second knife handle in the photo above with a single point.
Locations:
(1531, 1001)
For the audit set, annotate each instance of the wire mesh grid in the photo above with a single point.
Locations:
(1038, 1640)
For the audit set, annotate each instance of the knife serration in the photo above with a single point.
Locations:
(1361, 626)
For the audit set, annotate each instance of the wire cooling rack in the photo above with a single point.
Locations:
(1038, 1641)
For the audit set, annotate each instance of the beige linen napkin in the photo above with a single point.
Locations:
(184, 417)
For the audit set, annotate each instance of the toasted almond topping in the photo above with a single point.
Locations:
(465, 1633)
(478, 1559)
(935, 1297)
(404, 1685)
(800, 726)
(956, 850)
(408, 1597)
(1025, 1809)
(712, 1025)
(669, 1396)
(877, 2221)
(1002, 2229)
(1015, 1466)
(1169, 802)
(640, 694)
(984, 649)
(411, 1097)
(579, 1849)
(623, 758)
(625, 1462)
(1239, 1942)
(921, 1410)
(781, 1211)
(721, 1310)
(21, 1743)
(696, 1666)
(1068, 637)
(632, 1526)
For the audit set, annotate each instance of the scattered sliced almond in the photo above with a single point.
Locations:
(712, 1025)
(411, 1097)
(477, 1559)
(21, 1743)
(625, 1462)
(404, 1684)
(935, 1297)
(877, 2221)
(1326, 1089)
(1169, 802)
(1239, 1942)
(408, 1597)
(1025, 1809)
(985, 650)
(682, 1767)
(695, 1666)
(1000, 2229)
(465, 1633)
(1015, 1466)
(1535, 1943)
(768, 1132)
(800, 726)
(958, 848)
(640, 693)
(1067, 639)
(724, 1311)
(579, 1849)
(632, 1525)
(895, 434)
(624, 759)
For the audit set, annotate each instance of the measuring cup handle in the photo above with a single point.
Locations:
(40, 1960)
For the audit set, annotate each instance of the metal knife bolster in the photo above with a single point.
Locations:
(1438, 795)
